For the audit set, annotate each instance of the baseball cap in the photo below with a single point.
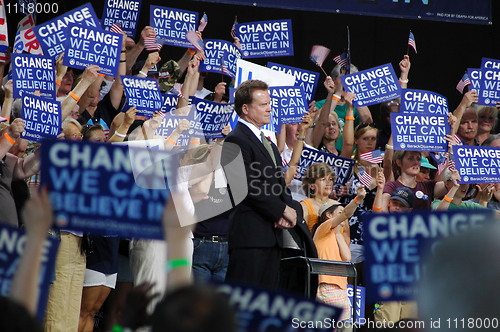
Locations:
(404, 195)
(425, 163)
(326, 206)
(169, 73)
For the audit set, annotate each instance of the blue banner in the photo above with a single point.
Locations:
(289, 102)
(88, 46)
(43, 118)
(343, 167)
(171, 121)
(143, 93)
(52, 34)
(259, 310)
(107, 189)
(12, 244)
(489, 93)
(414, 132)
(307, 80)
(210, 117)
(125, 13)
(461, 11)
(360, 303)
(423, 102)
(173, 24)
(475, 79)
(221, 57)
(265, 39)
(169, 103)
(373, 86)
(32, 73)
(477, 164)
(396, 245)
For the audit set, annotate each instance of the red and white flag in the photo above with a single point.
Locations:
(374, 157)
(151, 45)
(319, 54)
(195, 40)
(203, 22)
(26, 40)
(364, 177)
(4, 41)
(116, 28)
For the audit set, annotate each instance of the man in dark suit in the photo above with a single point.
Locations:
(257, 223)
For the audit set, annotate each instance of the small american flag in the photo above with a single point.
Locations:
(195, 40)
(233, 28)
(411, 42)
(374, 157)
(364, 177)
(344, 61)
(116, 28)
(223, 66)
(319, 54)
(203, 22)
(464, 81)
(151, 45)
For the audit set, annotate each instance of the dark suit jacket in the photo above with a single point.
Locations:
(252, 221)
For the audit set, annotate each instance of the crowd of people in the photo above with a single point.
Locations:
(255, 228)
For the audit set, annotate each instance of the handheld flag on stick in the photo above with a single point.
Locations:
(374, 157)
(4, 42)
(344, 61)
(195, 40)
(318, 56)
(411, 42)
(233, 28)
(116, 28)
(203, 22)
(151, 45)
(464, 81)
(364, 177)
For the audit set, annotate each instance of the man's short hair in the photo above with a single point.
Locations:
(243, 94)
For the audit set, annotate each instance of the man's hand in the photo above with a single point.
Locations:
(290, 215)
(16, 128)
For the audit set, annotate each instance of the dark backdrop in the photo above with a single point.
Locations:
(445, 50)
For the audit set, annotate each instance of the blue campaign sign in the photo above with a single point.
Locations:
(221, 57)
(396, 245)
(477, 164)
(423, 102)
(489, 93)
(360, 303)
(125, 13)
(289, 102)
(43, 118)
(265, 38)
(343, 167)
(143, 93)
(169, 103)
(265, 310)
(89, 46)
(210, 117)
(52, 34)
(171, 121)
(475, 79)
(12, 244)
(307, 80)
(32, 73)
(373, 86)
(414, 132)
(173, 24)
(107, 189)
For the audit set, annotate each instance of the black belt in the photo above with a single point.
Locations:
(213, 238)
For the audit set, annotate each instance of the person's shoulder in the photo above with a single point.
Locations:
(390, 186)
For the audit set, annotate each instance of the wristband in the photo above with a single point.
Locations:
(301, 139)
(376, 208)
(119, 328)
(349, 118)
(176, 263)
(123, 60)
(58, 82)
(101, 74)
(446, 198)
(143, 73)
(171, 141)
(389, 147)
(10, 139)
(120, 134)
(336, 97)
(124, 51)
(356, 200)
(190, 51)
(74, 96)
(403, 81)
(194, 141)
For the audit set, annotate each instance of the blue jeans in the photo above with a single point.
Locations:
(210, 260)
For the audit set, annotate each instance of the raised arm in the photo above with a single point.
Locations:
(89, 76)
(128, 118)
(330, 102)
(404, 67)
(116, 91)
(8, 100)
(134, 53)
(348, 134)
(297, 148)
(467, 100)
(378, 204)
